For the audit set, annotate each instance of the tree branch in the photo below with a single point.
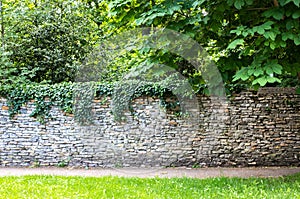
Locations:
(258, 9)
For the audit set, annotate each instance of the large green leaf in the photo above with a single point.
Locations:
(262, 81)
(277, 68)
(239, 4)
(297, 40)
(297, 2)
(269, 70)
(258, 72)
(276, 13)
(235, 43)
(296, 14)
(241, 74)
(271, 79)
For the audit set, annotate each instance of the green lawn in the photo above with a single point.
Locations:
(115, 187)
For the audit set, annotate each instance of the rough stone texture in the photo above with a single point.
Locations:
(250, 129)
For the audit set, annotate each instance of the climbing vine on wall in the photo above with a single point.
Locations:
(73, 98)
(44, 96)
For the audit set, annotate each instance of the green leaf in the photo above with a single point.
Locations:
(244, 77)
(273, 79)
(282, 44)
(298, 91)
(250, 71)
(277, 68)
(241, 74)
(276, 13)
(297, 41)
(239, 4)
(266, 43)
(269, 70)
(284, 2)
(140, 21)
(272, 36)
(258, 72)
(238, 32)
(230, 2)
(272, 45)
(251, 31)
(262, 81)
(260, 30)
(292, 24)
(197, 3)
(297, 2)
(296, 14)
(287, 35)
(235, 43)
(249, 2)
(245, 34)
(173, 8)
(267, 25)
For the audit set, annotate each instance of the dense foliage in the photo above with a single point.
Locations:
(253, 43)
(46, 40)
(74, 98)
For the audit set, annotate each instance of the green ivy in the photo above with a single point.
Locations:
(74, 98)
(44, 97)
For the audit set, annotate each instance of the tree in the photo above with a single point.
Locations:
(47, 39)
(2, 24)
(255, 43)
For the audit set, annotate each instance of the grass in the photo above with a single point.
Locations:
(116, 187)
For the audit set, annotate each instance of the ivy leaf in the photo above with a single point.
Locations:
(267, 43)
(267, 25)
(297, 41)
(292, 24)
(297, 2)
(272, 36)
(276, 13)
(260, 30)
(287, 35)
(296, 14)
(235, 43)
(282, 44)
(272, 46)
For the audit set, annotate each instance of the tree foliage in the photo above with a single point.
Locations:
(254, 43)
(46, 39)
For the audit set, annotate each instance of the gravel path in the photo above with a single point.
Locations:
(156, 172)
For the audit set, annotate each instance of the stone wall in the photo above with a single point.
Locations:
(250, 129)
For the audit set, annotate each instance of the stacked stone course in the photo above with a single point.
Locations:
(249, 129)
